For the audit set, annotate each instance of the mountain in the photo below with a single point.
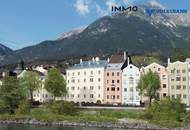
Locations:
(135, 32)
(4, 50)
(71, 33)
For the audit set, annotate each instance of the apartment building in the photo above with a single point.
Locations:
(178, 73)
(163, 74)
(113, 82)
(85, 81)
(130, 79)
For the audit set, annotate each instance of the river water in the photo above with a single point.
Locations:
(33, 127)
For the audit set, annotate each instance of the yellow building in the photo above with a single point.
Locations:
(178, 80)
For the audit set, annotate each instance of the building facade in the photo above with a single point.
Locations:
(178, 81)
(130, 79)
(163, 74)
(85, 81)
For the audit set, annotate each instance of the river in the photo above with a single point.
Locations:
(33, 127)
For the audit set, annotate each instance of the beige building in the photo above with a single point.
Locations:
(113, 82)
(178, 80)
(163, 74)
(85, 81)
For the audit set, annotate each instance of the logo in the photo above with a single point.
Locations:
(121, 10)
(150, 12)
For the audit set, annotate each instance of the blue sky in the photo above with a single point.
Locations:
(28, 22)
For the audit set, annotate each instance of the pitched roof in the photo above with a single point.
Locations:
(117, 58)
(126, 62)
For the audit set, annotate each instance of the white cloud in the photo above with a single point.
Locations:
(82, 7)
(111, 3)
(100, 11)
(156, 3)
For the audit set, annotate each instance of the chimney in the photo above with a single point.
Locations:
(97, 59)
(80, 61)
(128, 61)
(124, 55)
(93, 60)
(168, 60)
(108, 60)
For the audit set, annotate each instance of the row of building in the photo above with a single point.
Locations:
(114, 81)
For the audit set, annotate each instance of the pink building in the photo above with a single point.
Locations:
(163, 74)
(113, 82)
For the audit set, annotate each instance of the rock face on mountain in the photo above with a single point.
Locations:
(4, 50)
(135, 32)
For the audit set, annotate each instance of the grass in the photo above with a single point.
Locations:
(44, 114)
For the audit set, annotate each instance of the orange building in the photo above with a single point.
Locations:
(113, 82)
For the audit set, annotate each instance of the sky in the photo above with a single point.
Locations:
(28, 22)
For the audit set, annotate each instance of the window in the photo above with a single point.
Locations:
(73, 73)
(131, 89)
(91, 72)
(78, 81)
(113, 89)
(112, 81)
(184, 78)
(107, 89)
(73, 88)
(99, 71)
(178, 95)
(184, 96)
(91, 79)
(84, 87)
(164, 94)
(91, 87)
(172, 71)
(117, 81)
(84, 95)
(172, 87)
(107, 81)
(173, 96)
(183, 71)
(163, 76)
(84, 72)
(99, 87)
(84, 80)
(112, 73)
(164, 85)
(117, 88)
(117, 96)
(113, 96)
(78, 73)
(117, 73)
(125, 89)
(67, 81)
(99, 96)
(107, 96)
(178, 71)
(178, 78)
(98, 79)
(184, 86)
(178, 87)
(91, 96)
(158, 69)
(68, 73)
(107, 73)
(78, 96)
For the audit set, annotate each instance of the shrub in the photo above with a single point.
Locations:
(4, 108)
(23, 108)
(63, 108)
(166, 111)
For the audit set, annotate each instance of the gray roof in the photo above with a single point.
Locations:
(115, 66)
(89, 64)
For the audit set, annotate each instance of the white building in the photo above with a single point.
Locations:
(85, 81)
(130, 79)
(41, 94)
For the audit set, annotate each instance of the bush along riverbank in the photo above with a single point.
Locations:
(166, 114)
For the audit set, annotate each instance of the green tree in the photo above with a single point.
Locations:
(31, 82)
(148, 85)
(55, 83)
(11, 93)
